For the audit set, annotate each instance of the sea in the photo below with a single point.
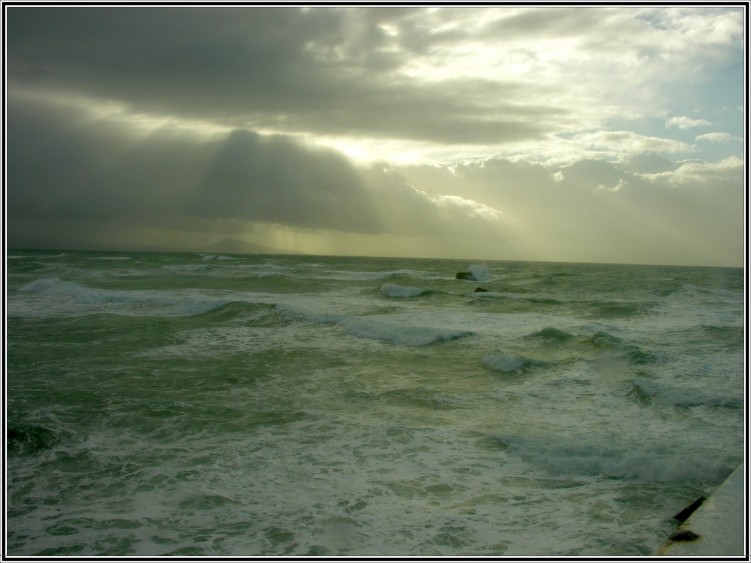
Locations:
(189, 404)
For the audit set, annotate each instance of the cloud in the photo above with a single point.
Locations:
(628, 142)
(86, 181)
(595, 210)
(683, 122)
(284, 70)
(717, 138)
(540, 126)
(275, 180)
(67, 166)
(472, 208)
(459, 76)
(646, 162)
(695, 172)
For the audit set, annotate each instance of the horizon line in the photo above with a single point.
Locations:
(275, 252)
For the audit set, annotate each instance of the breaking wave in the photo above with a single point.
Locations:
(507, 363)
(480, 272)
(186, 268)
(399, 334)
(81, 299)
(393, 290)
(551, 335)
(648, 392)
(591, 457)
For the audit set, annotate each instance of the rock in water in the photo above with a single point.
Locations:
(465, 276)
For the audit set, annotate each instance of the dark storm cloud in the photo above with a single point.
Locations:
(317, 70)
(69, 171)
(274, 180)
(139, 123)
(63, 166)
(62, 163)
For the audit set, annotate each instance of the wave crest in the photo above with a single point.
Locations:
(399, 334)
(393, 290)
(593, 457)
(507, 363)
(80, 299)
(551, 334)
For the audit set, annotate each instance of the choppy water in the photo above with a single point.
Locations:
(192, 404)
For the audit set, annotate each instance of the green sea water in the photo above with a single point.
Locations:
(194, 404)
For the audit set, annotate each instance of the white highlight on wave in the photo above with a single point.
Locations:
(480, 272)
(183, 268)
(399, 334)
(77, 296)
(393, 290)
(505, 363)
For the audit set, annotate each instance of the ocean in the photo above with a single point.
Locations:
(271, 405)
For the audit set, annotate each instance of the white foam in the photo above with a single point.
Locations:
(480, 272)
(370, 446)
(186, 268)
(42, 285)
(504, 362)
(72, 298)
(393, 290)
(399, 334)
(373, 275)
(604, 456)
(347, 275)
(219, 257)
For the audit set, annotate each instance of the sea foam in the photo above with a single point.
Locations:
(393, 290)
(352, 419)
(505, 363)
(80, 299)
(399, 334)
(480, 272)
(185, 268)
(562, 455)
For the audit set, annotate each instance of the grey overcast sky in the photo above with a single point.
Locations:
(592, 134)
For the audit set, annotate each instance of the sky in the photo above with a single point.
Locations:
(601, 133)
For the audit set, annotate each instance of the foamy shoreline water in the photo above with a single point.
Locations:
(278, 405)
